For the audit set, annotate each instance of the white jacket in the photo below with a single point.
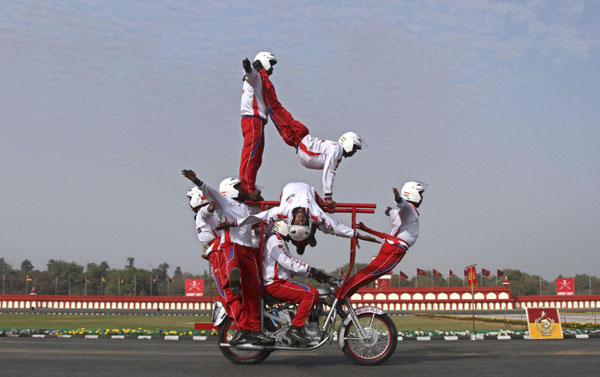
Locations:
(253, 101)
(206, 222)
(323, 155)
(298, 194)
(278, 262)
(405, 223)
(232, 210)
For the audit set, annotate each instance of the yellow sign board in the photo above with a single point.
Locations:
(544, 323)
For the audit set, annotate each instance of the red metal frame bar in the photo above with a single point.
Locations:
(352, 208)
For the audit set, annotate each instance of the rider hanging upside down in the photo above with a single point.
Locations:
(278, 267)
(405, 230)
(299, 200)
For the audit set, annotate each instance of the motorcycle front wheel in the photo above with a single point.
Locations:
(380, 342)
(226, 332)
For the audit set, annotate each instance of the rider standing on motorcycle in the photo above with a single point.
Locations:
(240, 248)
(279, 266)
(405, 230)
(207, 219)
(314, 153)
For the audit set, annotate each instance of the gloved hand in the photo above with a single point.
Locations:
(318, 275)
(246, 65)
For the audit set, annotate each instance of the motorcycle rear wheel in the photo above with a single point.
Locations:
(381, 342)
(226, 332)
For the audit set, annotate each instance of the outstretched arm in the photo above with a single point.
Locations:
(191, 175)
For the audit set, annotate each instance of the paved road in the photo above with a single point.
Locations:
(132, 358)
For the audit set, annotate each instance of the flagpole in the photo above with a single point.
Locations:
(134, 285)
(85, 287)
(119, 287)
(471, 283)
(27, 284)
(55, 286)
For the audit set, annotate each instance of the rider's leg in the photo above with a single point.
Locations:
(291, 130)
(231, 302)
(303, 295)
(388, 257)
(252, 151)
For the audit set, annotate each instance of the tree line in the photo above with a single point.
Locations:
(70, 278)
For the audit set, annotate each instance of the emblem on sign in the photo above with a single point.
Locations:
(545, 324)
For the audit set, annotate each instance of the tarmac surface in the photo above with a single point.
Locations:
(108, 357)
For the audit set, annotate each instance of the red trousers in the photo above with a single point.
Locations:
(247, 260)
(232, 303)
(291, 131)
(252, 151)
(305, 296)
(388, 257)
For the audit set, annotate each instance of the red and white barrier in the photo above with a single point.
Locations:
(388, 298)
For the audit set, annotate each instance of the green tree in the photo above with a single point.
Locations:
(26, 266)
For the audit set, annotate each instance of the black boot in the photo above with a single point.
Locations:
(257, 337)
(238, 338)
(295, 333)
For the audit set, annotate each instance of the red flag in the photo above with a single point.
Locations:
(472, 276)
(466, 274)
(485, 273)
(436, 273)
(29, 278)
(403, 275)
(500, 273)
(451, 274)
(421, 272)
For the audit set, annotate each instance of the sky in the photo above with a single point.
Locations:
(493, 103)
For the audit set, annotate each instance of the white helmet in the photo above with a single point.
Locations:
(226, 187)
(350, 139)
(412, 190)
(196, 197)
(299, 232)
(267, 59)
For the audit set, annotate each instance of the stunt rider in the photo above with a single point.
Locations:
(207, 219)
(299, 197)
(405, 230)
(314, 153)
(240, 248)
(279, 266)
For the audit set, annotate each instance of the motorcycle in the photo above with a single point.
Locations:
(366, 335)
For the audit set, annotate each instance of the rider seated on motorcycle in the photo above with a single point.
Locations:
(279, 266)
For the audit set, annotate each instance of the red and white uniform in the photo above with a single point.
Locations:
(320, 154)
(405, 223)
(278, 268)
(298, 194)
(239, 248)
(206, 222)
(253, 101)
(254, 117)
(405, 230)
(291, 130)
